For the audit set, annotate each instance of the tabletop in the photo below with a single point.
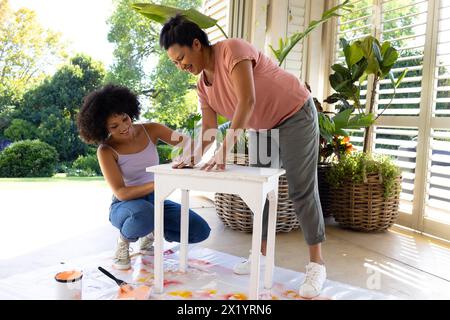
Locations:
(232, 172)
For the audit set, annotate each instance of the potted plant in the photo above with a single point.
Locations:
(365, 191)
(364, 188)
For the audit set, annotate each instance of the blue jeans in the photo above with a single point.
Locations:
(135, 219)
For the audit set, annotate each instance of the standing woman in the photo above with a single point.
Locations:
(248, 88)
(125, 150)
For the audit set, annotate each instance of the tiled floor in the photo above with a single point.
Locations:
(58, 223)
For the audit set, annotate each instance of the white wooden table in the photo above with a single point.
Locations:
(252, 184)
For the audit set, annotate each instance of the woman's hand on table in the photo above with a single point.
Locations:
(184, 162)
(217, 162)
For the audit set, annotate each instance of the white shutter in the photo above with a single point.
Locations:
(404, 23)
(296, 23)
(221, 11)
(437, 201)
(442, 71)
(401, 145)
(415, 130)
(438, 186)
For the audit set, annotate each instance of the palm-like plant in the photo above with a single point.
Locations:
(161, 14)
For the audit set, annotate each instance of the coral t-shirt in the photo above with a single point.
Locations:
(278, 93)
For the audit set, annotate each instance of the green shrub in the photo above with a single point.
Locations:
(85, 166)
(63, 167)
(20, 129)
(356, 166)
(28, 158)
(165, 153)
(61, 132)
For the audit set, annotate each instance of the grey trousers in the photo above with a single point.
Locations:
(294, 146)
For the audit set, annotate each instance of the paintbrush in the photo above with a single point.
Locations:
(122, 284)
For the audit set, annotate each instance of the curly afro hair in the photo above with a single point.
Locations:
(99, 105)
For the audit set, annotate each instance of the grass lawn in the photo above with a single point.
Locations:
(46, 183)
(55, 178)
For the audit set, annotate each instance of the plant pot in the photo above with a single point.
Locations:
(363, 207)
(234, 213)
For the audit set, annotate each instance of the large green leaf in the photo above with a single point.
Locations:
(343, 71)
(376, 51)
(200, 19)
(156, 12)
(384, 47)
(366, 46)
(373, 67)
(335, 80)
(361, 121)
(390, 56)
(341, 119)
(346, 49)
(161, 14)
(341, 85)
(358, 69)
(354, 55)
(341, 132)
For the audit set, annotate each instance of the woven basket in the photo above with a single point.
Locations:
(324, 188)
(235, 214)
(362, 206)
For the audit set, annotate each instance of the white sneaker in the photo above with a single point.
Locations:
(122, 256)
(146, 245)
(314, 279)
(245, 267)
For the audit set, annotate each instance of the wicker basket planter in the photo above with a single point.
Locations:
(362, 206)
(235, 214)
(324, 188)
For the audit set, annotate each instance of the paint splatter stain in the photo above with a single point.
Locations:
(198, 262)
(235, 296)
(168, 282)
(144, 271)
(144, 280)
(206, 293)
(182, 294)
(147, 262)
(130, 293)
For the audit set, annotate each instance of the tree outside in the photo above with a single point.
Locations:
(39, 103)
(27, 52)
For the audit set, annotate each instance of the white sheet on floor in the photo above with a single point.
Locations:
(209, 276)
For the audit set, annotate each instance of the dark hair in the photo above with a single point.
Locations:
(99, 105)
(181, 31)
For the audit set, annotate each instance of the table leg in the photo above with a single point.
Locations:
(184, 229)
(159, 242)
(270, 257)
(258, 208)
